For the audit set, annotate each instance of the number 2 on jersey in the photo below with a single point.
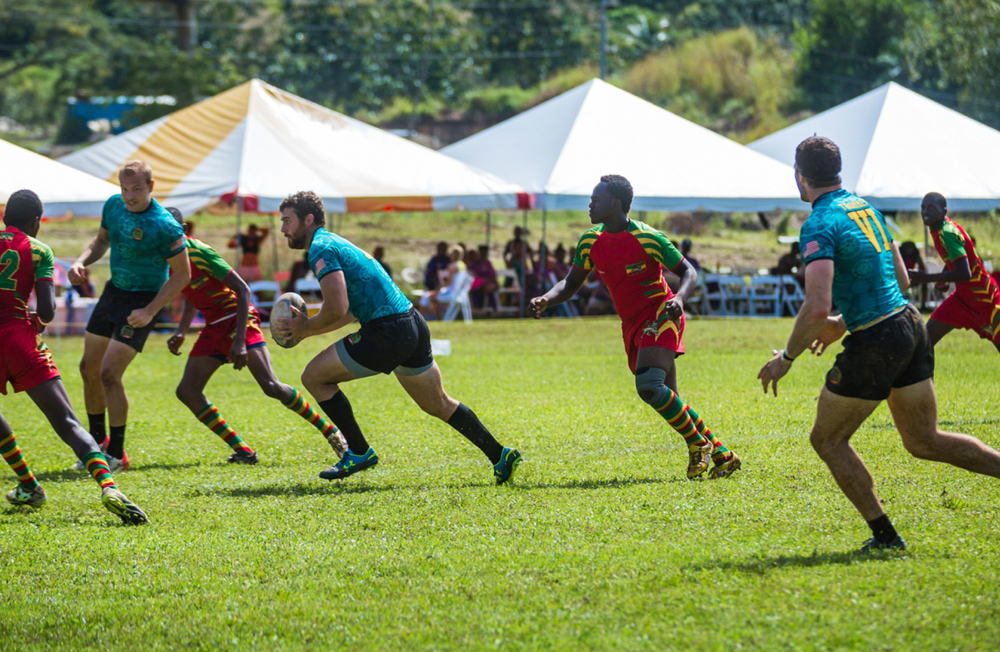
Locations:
(861, 219)
(9, 262)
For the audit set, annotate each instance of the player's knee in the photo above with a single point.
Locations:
(88, 370)
(184, 393)
(310, 379)
(650, 384)
(923, 448)
(110, 379)
(273, 389)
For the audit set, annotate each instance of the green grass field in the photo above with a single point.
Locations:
(600, 544)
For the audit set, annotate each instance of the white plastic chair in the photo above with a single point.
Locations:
(459, 298)
(309, 289)
(765, 296)
(714, 300)
(513, 306)
(413, 280)
(263, 294)
(736, 295)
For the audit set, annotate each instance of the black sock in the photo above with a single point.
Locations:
(97, 431)
(882, 529)
(117, 446)
(466, 422)
(338, 408)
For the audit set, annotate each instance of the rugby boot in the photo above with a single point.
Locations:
(21, 496)
(503, 470)
(349, 464)
(700, 458)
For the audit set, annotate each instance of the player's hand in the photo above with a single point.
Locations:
(773, 371)
(917, 277)
(238, 353)
(674, 307)
(36, 322)
(140, 318)
(77, 274)
(833, 330)
(175, 342)
(941, 286)
(295, 326)
(538, 306)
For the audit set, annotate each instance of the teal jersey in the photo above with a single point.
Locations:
(845, 229)
(141, 243)
(370, 291)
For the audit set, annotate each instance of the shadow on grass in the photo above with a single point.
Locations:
(762, 565)
(80, 474)
(288, 490)
(603, 483)
(944, 424)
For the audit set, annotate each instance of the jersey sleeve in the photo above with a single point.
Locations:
(323, 260)
(42, 260)
(658, 246)
(106, 212)
(207, 259)
(172, 240)
(954, 243)
(582, 258)
(816, 241)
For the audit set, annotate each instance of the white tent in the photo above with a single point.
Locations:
(62, 189)
(260, 143)
(897, 145)
(559, 150)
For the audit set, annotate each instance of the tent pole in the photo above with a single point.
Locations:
(489, 229)
(239, 244)
(274, 249)
(543, 253)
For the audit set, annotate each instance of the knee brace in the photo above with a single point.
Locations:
(649, 382)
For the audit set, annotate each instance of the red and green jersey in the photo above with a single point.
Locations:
(207, 290)
(23, 262)
(631, 264)
(953, 243)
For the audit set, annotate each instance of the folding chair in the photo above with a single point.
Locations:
(263, 294)
(792, 295)
(308, 289)
(765, 296)
(459, 298)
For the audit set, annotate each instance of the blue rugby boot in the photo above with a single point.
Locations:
(350, 463)
(503, 470)
(873, 545)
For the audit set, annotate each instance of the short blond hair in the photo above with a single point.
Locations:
(132, 168)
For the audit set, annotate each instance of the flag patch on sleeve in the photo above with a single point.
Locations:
(810, 249)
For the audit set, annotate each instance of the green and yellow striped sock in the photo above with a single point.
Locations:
(675, 411)
(298, 404)
(97, 466)
(210, 416)
(12, 455)
(720, 453)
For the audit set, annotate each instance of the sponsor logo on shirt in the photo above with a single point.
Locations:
(635, 268)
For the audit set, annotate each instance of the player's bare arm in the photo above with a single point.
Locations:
(689, 280)
(180, 276)
(561, 292)
(92, 253)
(238, 352)
(959, 274)
(809, 324)
(177, 339)
(45, 300)
(899, 267)
(335, 308)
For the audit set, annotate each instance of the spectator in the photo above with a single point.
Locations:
(517, 255)
(600, 301)
(379, 255)
(249, 244)
(686, 252)
(438, 262)
(300, 269)
(432, 303)
(484, 284)
(789, 263)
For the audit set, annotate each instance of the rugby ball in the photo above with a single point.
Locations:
(282, 309)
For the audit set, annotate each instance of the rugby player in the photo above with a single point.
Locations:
(393, 338)
(27, 264)
(630, 257)
(975, 302)
(145, 242)
(851, 261)
(232, 333)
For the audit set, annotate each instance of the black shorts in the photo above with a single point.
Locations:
(110, 315)
(892, 353)
(400, 343)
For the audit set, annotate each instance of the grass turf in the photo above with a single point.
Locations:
(600, 544)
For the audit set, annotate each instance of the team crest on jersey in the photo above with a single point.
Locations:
(137, 233)
(127, 332)
(650, 328)
(635, 268)
(354, 338)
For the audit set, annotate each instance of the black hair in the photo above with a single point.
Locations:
(620, 189)
(178, 215)
(23, 208)
(303, 203)
(937, 198)
(818, 160)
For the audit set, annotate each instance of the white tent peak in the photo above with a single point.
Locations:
(897, 145)
(560, 149)
(258, 141)
(62, 189)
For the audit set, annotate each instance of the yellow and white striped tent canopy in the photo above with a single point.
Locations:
(256, 141)
(63, 190)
